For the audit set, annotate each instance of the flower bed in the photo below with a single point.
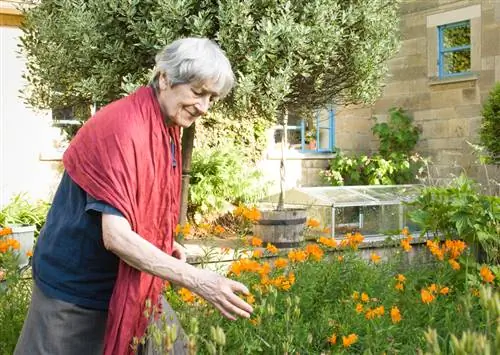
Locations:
(327, 299)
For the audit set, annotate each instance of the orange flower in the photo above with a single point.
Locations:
(326, 230)
(405, 232)
(432, 288)
(257, 253)
(280, 263)
(364, 297)
(5, 231)
(454, 248)
(333, 339)
(297, 256)
(355, 295)
(255, 321)
(359, 308)
(444, 290)
(29, 253)
(340, 258)
(312, 223)
(329, 242)
(487, 275)
(401, 278)
(186, 295)
(314, 251)
(349, 340)
(454, 264)
(250, 299)
(219, 230)
(405, 244)
(395, 315)
(427, 297)
(252, 214)
(271, 248)
(399, 286)
(256, 242)
(375, 258)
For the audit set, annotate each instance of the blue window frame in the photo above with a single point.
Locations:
(454, 46)
(316, 135)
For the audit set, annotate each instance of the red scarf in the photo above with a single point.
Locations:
(123, 156)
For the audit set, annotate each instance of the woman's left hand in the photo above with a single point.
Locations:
(179, 252)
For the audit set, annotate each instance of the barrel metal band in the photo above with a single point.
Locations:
(281, 222)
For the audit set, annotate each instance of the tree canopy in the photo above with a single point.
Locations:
(296, 54)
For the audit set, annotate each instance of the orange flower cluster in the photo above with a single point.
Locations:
(5, 231)
(280, 263)
(312, 223)
(371, 313)
(281, 282)
(400, 284)
(252, 214)
(185, 229)
(405, 243)
(314, 251)
(245, 265)
(454, 248)
(186, 295)
(486, 274)
(352, 240)
(428, 295)
(329, 242)
(297, 256)
(271, 248)
(9, 244)
(255, 242)
(349, 340)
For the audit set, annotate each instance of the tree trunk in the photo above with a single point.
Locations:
(187, 153)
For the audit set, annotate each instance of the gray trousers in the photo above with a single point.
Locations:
(54, 327)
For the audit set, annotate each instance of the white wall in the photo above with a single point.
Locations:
(26, 136)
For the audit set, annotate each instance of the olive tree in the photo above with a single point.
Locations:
(287, 55)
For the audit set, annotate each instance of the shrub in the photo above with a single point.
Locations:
(219, 176)
(459, 211)
(398, 134)
(490, 125)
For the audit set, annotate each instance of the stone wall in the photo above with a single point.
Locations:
(447, 110)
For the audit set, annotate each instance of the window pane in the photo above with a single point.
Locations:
(293, 138)
(456, 36)
(456, 62)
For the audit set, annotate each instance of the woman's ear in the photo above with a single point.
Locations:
(163, 81)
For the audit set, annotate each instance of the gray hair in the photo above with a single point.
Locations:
(194, 60)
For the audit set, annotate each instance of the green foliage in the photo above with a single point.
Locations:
(219, 176)
(21, 211)
(398, 134)
(397, 168)
(459, 211)
(294, 54)
(322, 303)
(15, 297)
(490, 126)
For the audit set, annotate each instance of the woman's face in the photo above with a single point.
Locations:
(182, 104)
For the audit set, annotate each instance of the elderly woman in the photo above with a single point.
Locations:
(108, 244)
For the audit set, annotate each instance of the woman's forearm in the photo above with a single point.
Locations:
(119, 238)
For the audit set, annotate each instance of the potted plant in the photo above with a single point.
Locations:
(310, 138)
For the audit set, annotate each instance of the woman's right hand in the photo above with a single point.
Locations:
(221, 293)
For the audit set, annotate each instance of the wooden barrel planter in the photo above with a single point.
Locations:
(282, 228)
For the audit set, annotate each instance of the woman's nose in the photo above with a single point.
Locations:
(203, 105)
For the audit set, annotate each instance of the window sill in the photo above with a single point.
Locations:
(453, 79)
(298, 155)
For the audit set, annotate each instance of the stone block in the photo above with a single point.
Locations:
(458, 128)
(448, 98)
(486, 79)
(488, 63)
(419, 86)
(410, 73)
(408, 47)
(474, 126)
(397, 88)
(422, 115)
(442, 85)
(409, 7)
(413, 31)
(444, 113)
(439, 144)
(435, 129)
(490, 42)
(470, 96)
(468, 111)
(417, 101)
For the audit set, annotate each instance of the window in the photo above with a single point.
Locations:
(315, 135)
(454, 49)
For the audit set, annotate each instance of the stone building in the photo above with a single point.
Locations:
(445, 101)
(441, 80)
